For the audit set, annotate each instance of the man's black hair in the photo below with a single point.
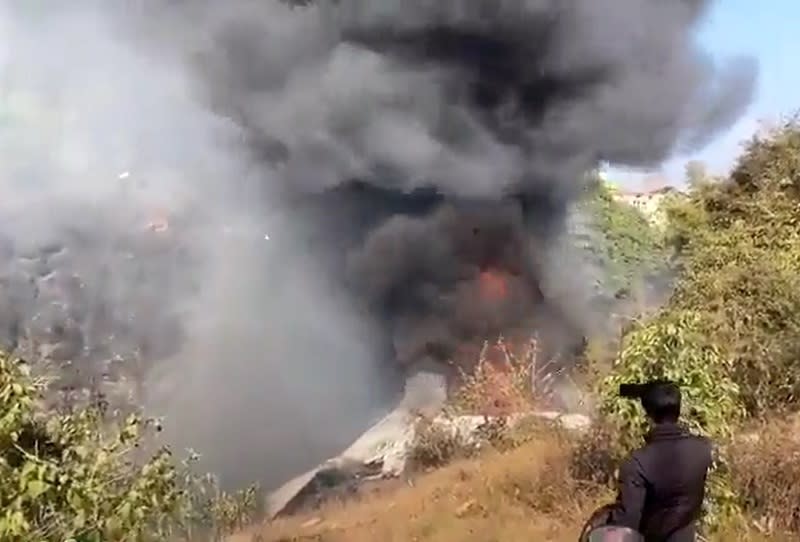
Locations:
(662, 402)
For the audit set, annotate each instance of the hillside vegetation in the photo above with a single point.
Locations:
(87, 478)
(621, 241)
(530, 492)
(730, 333)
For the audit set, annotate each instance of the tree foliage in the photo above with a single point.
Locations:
(70, 478)
(738, 246)
(740, 243)
(629, 247)
(696, 173)
(730, 333)
(673, 346)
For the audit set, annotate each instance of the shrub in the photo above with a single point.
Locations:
(437, 444)
(752, 304)
(214, 514)
(771, 159)
(75, 477)
(501, 390)
(765, 468)
(628, 247)
(740, 250)
(498, 387)
(672, 346)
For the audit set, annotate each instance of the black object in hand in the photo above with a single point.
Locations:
(638, 390)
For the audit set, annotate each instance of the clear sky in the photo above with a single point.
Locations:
(769, 30)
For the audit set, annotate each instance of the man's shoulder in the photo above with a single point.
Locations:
(701, 441)
(699, 444)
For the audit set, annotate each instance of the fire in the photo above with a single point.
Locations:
(493, 285)
(499, 381)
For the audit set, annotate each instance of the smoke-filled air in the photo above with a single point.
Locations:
(267, 214)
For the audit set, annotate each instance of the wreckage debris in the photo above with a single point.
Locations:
(382, 453)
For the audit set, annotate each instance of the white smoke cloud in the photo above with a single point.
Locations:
(100, 137)
(211, 116)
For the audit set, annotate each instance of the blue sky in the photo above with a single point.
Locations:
(769, 30)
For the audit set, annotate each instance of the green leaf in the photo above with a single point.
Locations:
(36, 488)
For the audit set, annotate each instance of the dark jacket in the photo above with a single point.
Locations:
(662, 485)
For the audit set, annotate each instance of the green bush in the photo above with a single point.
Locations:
(730, 334)
(74, 478)
(629, 247)
(674, 346)
(740, 251)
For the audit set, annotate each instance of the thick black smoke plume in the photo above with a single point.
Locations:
(483, 116)
(412, 163)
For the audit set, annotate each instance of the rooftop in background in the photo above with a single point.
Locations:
(646, 193)
(648, 201)
(649, 186)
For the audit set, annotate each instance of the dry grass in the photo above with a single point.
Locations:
(435, 445)
(765, 466)
(529, 493)
(524, 494)
(533, 485)
(501, 382)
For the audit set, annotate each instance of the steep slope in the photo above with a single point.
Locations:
(524, 494)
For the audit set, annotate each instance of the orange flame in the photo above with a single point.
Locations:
(493, 285)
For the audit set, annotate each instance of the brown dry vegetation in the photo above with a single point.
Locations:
(531, 484)
(729, 333)
(765, 468)
(523, 494)
(536, 482)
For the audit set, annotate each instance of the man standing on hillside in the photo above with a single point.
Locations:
(662, 484)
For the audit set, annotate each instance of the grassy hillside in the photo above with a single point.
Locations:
(729, 334)
(630, 246)
(523, 494)
(526, 493)
(622, 249)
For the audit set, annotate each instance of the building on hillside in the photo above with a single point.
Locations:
(648, 202)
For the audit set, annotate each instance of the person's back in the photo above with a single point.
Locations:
(662, 484)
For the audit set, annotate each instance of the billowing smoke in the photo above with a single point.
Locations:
(341, 191)
(482, 116)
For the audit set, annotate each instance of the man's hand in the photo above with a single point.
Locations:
(630, 501)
